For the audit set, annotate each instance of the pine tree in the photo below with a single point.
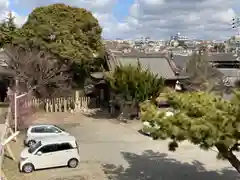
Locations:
(204, 119)
(8, 30)
(10, 24)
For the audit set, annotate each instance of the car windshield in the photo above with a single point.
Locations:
(34, 147)
(59, 128)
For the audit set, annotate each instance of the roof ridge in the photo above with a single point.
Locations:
(173, 65)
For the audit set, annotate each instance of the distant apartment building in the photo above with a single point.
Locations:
(179, 37)
(233, 44)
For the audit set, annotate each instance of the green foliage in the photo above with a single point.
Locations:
(202, 75)
(134, 83)
(202, 118)
(8, 30)
(72, 34)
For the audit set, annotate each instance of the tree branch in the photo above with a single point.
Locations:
(227, 154)
(37, 69)
(235, 147)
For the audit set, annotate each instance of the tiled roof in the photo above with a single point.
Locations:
(157, 63)
(230, 72)
(3, 58)
(5, 71)
(181, 61)
(3, 65)
(222, 57)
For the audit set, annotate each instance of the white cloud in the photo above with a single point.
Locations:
(101, 8)
(4, 4)
(154, 18)
(19, 20)
(4, 12)
(194, 18)
(93, 5)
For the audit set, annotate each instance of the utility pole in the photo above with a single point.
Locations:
(236, 25)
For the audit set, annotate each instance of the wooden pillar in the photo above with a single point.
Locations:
(77, 101)
(47, 106)
(1, 161)
(77, 95)
(65, 105)
(10, 152)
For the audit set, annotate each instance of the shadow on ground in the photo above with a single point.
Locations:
(70, 178)
(156, 166)
(99, 113)
(100, 110)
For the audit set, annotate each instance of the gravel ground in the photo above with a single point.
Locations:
(117, 151)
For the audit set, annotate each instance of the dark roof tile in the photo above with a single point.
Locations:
(157, 63)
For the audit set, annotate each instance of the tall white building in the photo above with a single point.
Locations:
(179, 37)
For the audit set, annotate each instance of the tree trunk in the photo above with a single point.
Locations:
(234, 161)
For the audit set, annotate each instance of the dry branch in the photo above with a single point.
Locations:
(38, 70)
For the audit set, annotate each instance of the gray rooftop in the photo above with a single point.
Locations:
(221, 57)
(230, 72)
(3, 58)
(181, 61)
(3, 65)
(158, 66)
(157, 63)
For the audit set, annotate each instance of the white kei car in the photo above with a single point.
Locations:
(37, 132)
(52, 152)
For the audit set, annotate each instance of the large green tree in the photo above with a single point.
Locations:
(204, 119)
(70, 33)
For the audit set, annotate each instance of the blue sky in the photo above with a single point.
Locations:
(120, 10)
(21, 11)
(154, 18)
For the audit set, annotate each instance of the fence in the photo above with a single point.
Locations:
(64, 104)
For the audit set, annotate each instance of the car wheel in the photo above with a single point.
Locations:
(28, 168)
(72, 163)
(31, 143)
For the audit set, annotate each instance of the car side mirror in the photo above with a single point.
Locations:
(39, 153)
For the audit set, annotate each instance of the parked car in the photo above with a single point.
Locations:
(37, 132)
(52, 152)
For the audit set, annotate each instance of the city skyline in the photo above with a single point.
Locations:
(159, 19)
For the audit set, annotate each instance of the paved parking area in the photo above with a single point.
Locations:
(84, 171)
(113, 151)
